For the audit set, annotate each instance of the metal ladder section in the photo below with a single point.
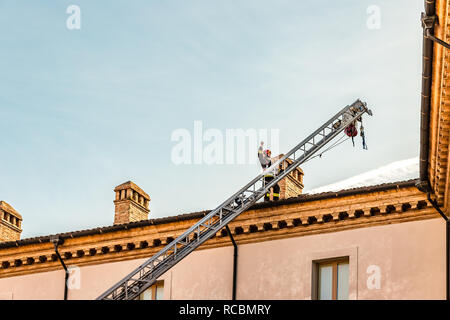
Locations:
(145, 275)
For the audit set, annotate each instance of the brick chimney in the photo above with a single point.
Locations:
(10, 223)
(292, 185)
(131, 203)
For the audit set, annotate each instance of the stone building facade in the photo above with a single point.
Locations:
(376, 242)
(281, 244)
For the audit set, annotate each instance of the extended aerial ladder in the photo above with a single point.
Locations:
(146, 274)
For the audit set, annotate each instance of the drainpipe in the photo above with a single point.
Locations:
(447, 252)
(235, 255)
(427, 59)
(56, 242)
(447, 236)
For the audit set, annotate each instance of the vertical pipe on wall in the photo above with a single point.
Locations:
(447, 243)
(448, 257)
(56, 242)
(235, 255)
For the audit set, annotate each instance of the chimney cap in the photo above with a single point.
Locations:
(6, 207)
(133, 186)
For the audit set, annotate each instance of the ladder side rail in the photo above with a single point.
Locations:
(309, 152)
(156, 272)
(313, 149)
(243, 206)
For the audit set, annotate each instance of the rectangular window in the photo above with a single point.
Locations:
(155, 292)
(332, 279)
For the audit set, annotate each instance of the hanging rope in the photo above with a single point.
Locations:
(363, 136)
(338, 142)
(351, 131)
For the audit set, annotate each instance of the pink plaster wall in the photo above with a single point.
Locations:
(410, 256)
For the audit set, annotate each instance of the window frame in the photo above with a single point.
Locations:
(333, 262)
(153, 288)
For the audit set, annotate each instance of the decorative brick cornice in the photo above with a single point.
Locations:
(439, 124)
(260, 224)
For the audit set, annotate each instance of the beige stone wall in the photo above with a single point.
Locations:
(137, 214)
(128, 211)
(290, 188)
(410, 256)
(8, 232)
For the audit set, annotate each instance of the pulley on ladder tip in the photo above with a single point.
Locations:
(351, 131)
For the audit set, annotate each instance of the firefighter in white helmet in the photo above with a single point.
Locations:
(262, 156)
(269, 176)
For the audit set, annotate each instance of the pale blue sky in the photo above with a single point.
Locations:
(85, 110)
